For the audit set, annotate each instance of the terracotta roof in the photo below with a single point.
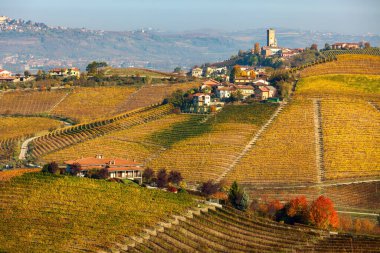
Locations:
(244, 87)
(263, 88)
(230, 88)
(211, 82)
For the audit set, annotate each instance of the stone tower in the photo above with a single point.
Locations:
(271, 38)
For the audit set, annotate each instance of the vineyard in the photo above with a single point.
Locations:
(229, 230)
(285, 153)
(151, 94)
(68, 136)
(365, 51)
(136, 72)
(204, 150)
(7, 175)
(346, 64)
(137, 142)
(30, 102)
(45, 213)
(15, 129)
(87, 103)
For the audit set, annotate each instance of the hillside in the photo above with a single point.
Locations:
(72, 214)
(228, 230)
(346, 64)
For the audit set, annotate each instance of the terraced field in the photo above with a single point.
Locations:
(14, 129)
(346, 64)
(46, 213)
(228, 230)
(136, 72)
(60, 139)
(138, 142)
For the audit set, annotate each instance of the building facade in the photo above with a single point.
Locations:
(271, 38)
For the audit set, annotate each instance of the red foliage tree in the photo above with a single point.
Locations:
(297, 206)
(322, 213)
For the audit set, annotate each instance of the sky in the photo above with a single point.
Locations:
(341, 16)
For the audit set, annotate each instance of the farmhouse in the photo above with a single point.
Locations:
(196, 72)
(261, 92)
(117, 168)
(65, 72)
(224, 91)
(201, 99)
(345, 46)
(246, 90)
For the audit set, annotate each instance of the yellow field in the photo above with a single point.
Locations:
(351, 132)
(346, 64)
(30, 102)
(15, 127)
(9, 174)
(133, 143)
(285, 153)
(135, 72)
(88, 103)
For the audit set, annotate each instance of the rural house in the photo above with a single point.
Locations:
(201, 99)
(117, 168)
(246, 90)
(223, 92)
(196, 72)
(261, 92)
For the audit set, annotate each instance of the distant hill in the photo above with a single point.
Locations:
(38, 45)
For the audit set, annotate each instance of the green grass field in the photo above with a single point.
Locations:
(45, 213)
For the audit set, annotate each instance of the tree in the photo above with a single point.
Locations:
(367, 45)
(75, 169)
(177, 98)
(322, 213)
(103, 173)
(241, 53)
(177, 70)
(27, 73)
(257, 48)
(175, 177)
(295, 211)
(237, 197)
(327, 46)
(148, 175)
(208, 188)
(235, 72)
(162, 178)
(314, 47)
(51, 168)
(93, 66)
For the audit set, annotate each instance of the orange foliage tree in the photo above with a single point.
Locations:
(322, 213)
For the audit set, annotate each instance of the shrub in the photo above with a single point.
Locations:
(103, 173)
(162, 178)
(75, 169)
(237, 197)
(172, 189)
(51, 168)
(208, 188)
(175, 177)
(148, 175)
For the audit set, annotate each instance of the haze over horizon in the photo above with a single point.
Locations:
(346, 17)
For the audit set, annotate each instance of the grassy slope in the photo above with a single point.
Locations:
(62, 213)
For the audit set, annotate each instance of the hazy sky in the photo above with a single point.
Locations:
(344, 16)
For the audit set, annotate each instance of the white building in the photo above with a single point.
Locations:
(224, 91)
(201, 99)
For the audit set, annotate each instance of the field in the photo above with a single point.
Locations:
(18, 127)
(228, 230)
(7, 175)
(208, 147)
(346, 64)
(351, 126)
(285, 153)
(137, 142)
(44, 213)
(68, 136)
(30, 102)
(88, 103)
(136, 72)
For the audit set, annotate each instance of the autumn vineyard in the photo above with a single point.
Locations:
(300, 174)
